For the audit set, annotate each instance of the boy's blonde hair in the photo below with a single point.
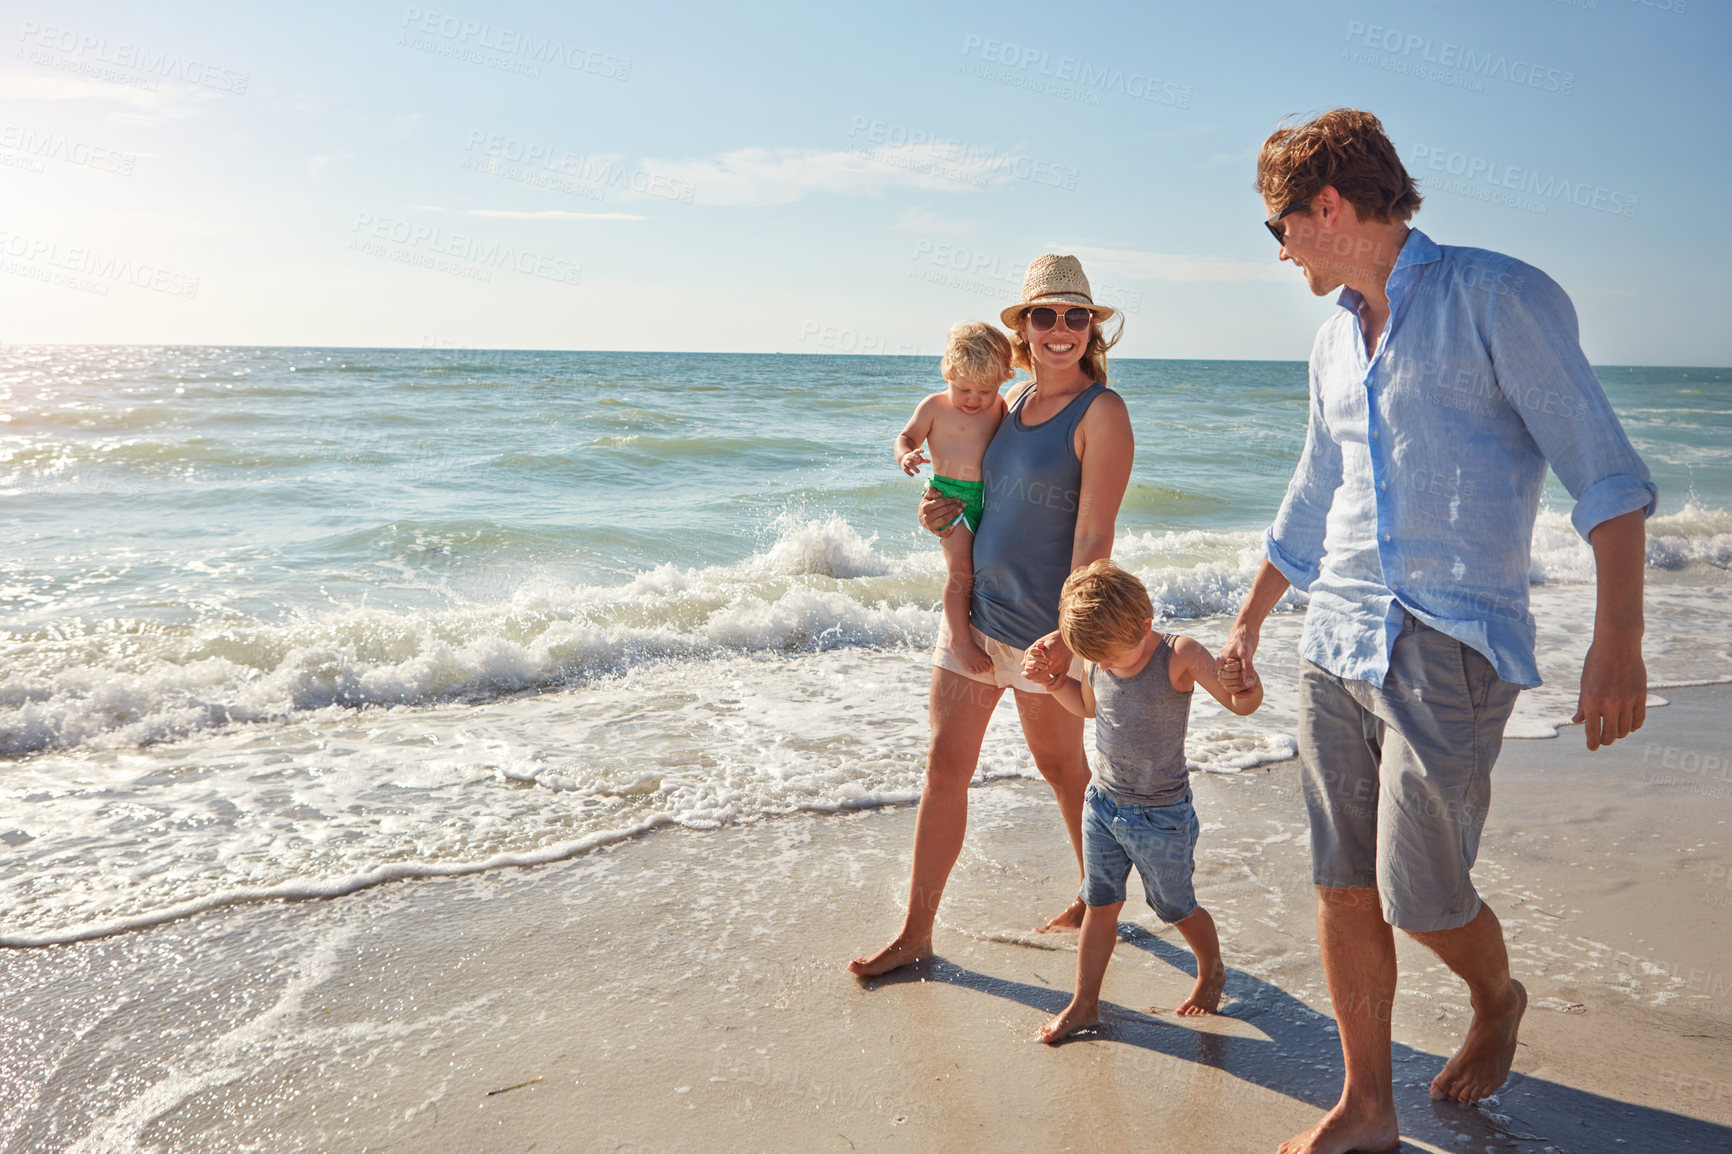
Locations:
(976, 352)
(1103, 611)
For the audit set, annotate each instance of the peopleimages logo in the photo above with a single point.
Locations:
(1070, 70)
(56, 146)
(87, 53)
(373, 233)
(1417, 50)
(600, 172)
(88, 269)
(1475, 171)
(460, 35)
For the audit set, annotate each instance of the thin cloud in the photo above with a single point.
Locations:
(551, 214)
(766, 177)
(15, 85)
(925, 220)
(544, 213)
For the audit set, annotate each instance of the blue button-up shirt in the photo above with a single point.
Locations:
(1423, 464)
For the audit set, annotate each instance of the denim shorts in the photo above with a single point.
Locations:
(1397, 777)
(1160, 840)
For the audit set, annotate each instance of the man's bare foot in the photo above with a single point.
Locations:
(1071, 919)
(970, 656)
(897, 953)
(1075, 1017)
(1349, 1127)
(1483, 1062)
(1205, 996)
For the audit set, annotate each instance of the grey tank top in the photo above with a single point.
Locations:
(1028, 524)
(1140, 726)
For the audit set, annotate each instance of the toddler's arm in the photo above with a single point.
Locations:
(908, 455)
(1196, 666)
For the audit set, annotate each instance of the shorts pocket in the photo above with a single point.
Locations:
(1478, 675)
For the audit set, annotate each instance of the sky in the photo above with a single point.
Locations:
(824, 178)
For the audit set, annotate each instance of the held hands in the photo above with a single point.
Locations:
(1614, 695)
(1046, 659)
(1234, 666)
(912, 461)
(938, 513)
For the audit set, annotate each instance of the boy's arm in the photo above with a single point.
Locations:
(1193, 665)
(912, 436)
(1074, 695)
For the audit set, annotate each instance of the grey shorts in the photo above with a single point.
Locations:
(1397, 779)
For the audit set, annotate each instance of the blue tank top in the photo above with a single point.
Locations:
(1028, 524)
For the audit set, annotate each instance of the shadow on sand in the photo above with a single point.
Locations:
(1300, 1056)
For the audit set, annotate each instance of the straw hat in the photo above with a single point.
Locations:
(1058, 281)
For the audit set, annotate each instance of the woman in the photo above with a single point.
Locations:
(1055, 474)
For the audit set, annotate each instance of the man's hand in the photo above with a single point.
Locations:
(1614, 696)
(938, 513)
(1233, 666)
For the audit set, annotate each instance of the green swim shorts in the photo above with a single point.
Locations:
(972, 494)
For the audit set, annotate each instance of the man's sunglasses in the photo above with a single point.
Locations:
(1076, 320)
(1273, 224)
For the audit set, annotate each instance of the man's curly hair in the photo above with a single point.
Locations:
(1343, 147)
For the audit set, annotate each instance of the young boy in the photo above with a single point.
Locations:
(957, 425)
(1137, 811)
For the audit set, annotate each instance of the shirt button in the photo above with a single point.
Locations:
(1374, 432)
(1382, 485)
(1386, 537)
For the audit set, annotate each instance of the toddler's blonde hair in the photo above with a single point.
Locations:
(1103, 611)
(976, 352)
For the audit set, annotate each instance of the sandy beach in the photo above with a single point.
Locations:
(532, 1010)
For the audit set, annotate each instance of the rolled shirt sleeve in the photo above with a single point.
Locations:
(1536, 349)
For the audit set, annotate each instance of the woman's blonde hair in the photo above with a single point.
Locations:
(1094, 358)
(1103, 611)
(976, 352)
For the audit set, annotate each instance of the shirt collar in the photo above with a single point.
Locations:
(1418, 249)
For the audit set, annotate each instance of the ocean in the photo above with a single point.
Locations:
(292, 622)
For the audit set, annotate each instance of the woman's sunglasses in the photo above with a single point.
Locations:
(1076, 320)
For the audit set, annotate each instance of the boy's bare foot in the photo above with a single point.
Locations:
(1205, 996)
(898, 953)
(1072, 1019)
(1071, 919)
(1349, 1127)
(1483, 1062)
(970, 656)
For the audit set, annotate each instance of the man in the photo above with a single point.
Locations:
(1441, 388)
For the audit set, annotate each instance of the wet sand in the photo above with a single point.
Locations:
(685, 991)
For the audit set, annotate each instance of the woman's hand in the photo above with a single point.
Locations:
(938, 513)
(1046, 659)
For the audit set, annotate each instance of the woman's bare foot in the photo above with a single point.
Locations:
(1205, 996)
(1483, 1062)
(1074, 1017)
(900, 952)
(1071, 919)
(970, 656)
(1349, 1127)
